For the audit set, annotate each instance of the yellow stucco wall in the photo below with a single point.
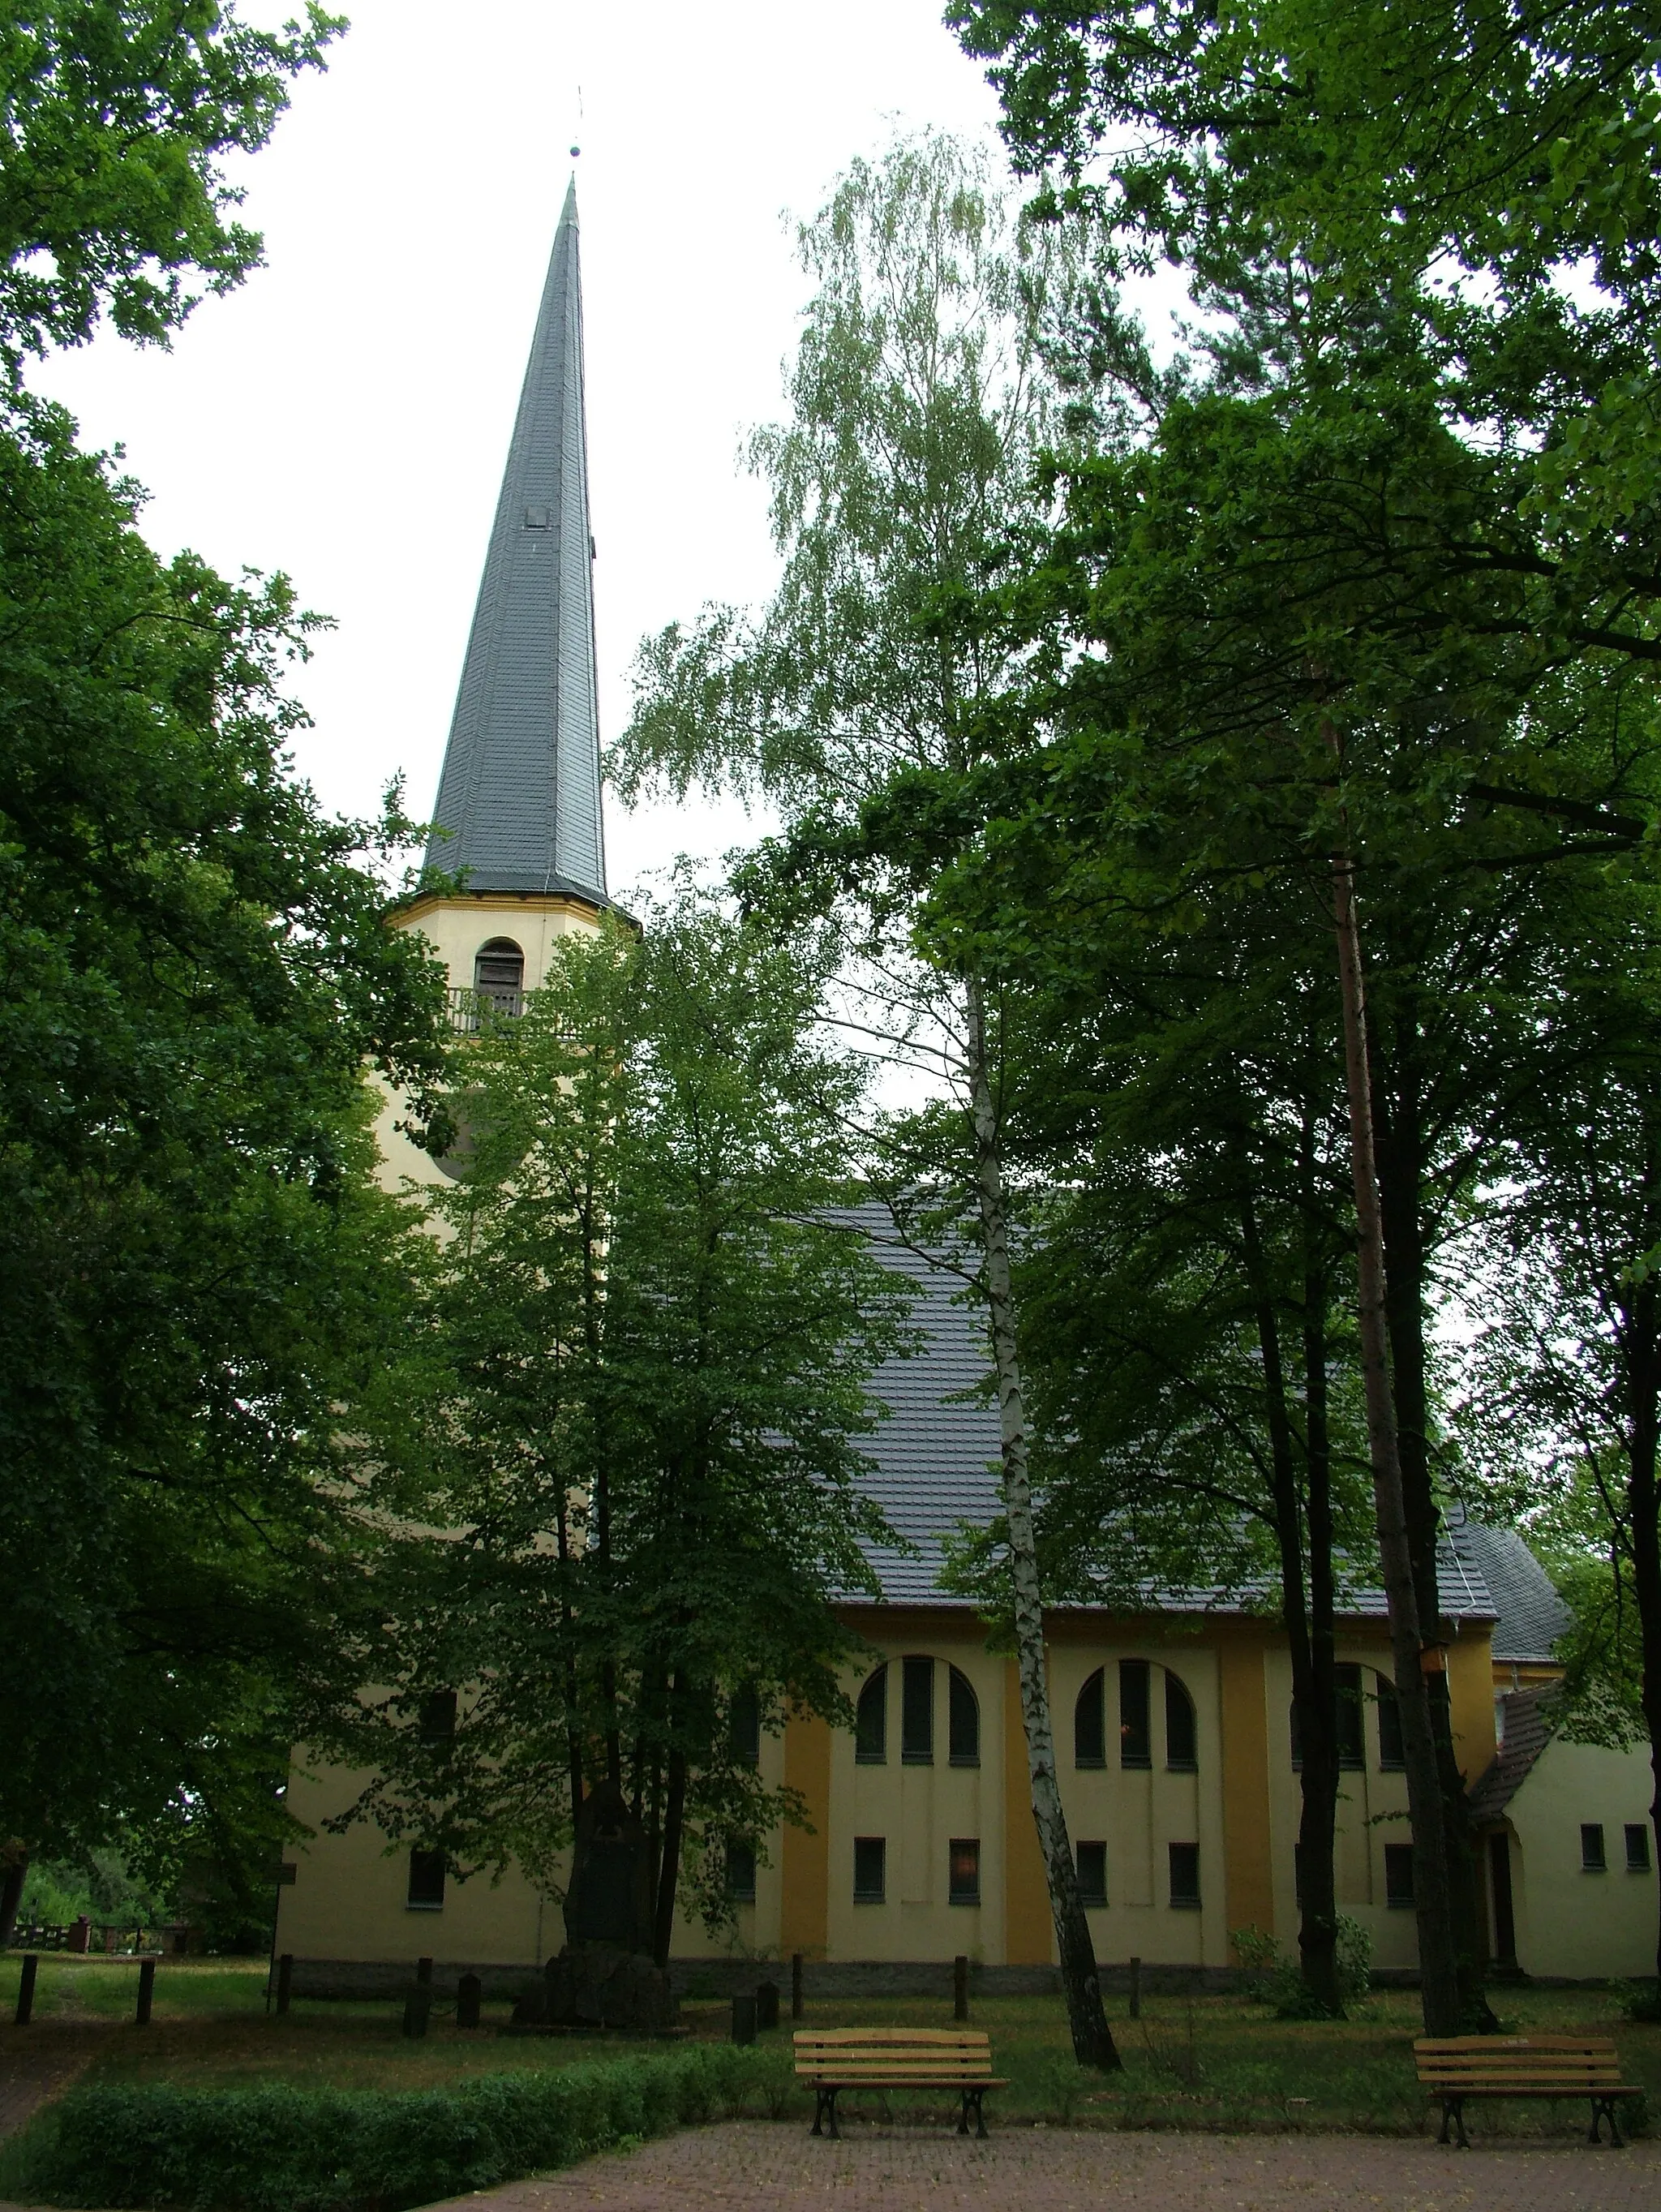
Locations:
(455, 929)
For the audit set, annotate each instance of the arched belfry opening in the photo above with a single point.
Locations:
(498, 975)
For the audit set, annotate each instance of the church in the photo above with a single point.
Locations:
(1172, 1727)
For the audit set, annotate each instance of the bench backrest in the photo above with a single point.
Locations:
(856, 2054)
(1491, 2062)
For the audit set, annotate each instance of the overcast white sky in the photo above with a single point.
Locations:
(345, 416)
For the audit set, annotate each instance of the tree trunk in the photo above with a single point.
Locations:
(1640, 1340)
(1093, 2041)
(1438, 1966)
(668, 1872)
(1399, 1154)
(1312, 1680)
(11, 1891)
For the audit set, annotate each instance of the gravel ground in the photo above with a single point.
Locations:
(746, 2167)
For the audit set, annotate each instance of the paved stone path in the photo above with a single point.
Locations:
(748, 2167)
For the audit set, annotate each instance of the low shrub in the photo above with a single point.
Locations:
(1276, 1978)
(279, 2147)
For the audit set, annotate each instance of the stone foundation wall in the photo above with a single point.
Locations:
(823, 1981)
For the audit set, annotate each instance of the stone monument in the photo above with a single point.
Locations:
(605, 1976)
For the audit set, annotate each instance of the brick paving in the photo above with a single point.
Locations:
(749, 2167)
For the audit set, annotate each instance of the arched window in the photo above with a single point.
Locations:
(1393, 1753)
(916, 1712)
(1349, 1720)
(1090, 1724)
(963, 1721)
(498, 975)
(1181, 1740)
(870, 1722)
(1136, 1730)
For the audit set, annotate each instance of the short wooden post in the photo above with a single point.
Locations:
(766, 2004)
(285, 1982)
(1135, 1988)
(26, 1990)
(469, 1992)
(959, 1987)
(424, 1972)
(743, 2018)
(146, 1991)
(417, 2005)
(796, 1985)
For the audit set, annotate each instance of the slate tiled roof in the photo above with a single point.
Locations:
(1526, 1733)
(520, 791)
(1531, 1614)
(935, 1457)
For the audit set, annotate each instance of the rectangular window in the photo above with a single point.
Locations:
(744, 1725)
(1184, 1874)
(437, 1723)
(1591, 1848)
(1092, 1872)
(1638, 1847)
(1351, 1716)
(1090, 1724)
(1392, 1755)
(1136, 1742)
(426, 1893)
(1399, 1875)
(870, 1855)
(964, 1862)
(917, 1713)
(741, 1872)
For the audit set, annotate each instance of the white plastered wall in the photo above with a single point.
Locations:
(1572, 1924)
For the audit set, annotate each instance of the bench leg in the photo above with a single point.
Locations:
(824, 2108)
(1604, 2108)
(1453, 2115)
(972, 2096)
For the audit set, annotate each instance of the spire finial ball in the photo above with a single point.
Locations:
(575, 151)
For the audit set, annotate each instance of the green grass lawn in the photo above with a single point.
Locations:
(1212, 2063)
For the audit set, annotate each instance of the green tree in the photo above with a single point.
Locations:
(1194, 1380)
(651, 1327)
(113, 194)
(918, 407)
(195, 1265)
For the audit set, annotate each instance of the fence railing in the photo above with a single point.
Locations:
(472, 1010)
(95, 1939)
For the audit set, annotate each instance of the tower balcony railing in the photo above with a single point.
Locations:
(473, 1011)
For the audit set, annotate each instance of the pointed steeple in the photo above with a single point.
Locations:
(520, 791)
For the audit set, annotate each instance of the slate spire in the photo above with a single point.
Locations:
(520, 791)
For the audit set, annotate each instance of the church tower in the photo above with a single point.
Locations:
(518, 814)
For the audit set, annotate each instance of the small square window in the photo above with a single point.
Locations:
(1398, 1875)
(1092, 1872)
(539, 518)
(741, 1873)
(965, 1865)
(1638, 1847)
(426, 1890)
(1592, 1860)
(870, 1855)
(1184, 1875)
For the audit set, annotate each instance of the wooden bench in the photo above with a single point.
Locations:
(1463, 2066)
(838, 2058)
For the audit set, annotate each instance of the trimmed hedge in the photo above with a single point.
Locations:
(280, 2147)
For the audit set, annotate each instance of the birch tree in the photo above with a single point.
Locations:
(919, 408)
